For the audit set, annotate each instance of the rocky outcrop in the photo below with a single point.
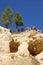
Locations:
(5, 38)
(20, 49)
(33, 40)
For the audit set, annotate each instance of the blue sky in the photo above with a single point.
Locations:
(31, 11)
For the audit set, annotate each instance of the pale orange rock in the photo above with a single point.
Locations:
(14, 47)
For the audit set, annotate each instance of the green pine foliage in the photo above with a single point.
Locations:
(7, 16)
(18, 20)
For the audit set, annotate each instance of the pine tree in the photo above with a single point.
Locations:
(18, 20)
(7, 16)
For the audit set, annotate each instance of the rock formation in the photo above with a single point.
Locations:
(21, 49)
(5, 38)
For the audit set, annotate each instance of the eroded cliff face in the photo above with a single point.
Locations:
(20, 49)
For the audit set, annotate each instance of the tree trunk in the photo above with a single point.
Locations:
(6, 25)
(16, 28)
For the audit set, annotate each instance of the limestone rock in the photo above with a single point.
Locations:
(39, 57)
(33, 39)
(17, 49)
(6, 59)
(5, 38)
